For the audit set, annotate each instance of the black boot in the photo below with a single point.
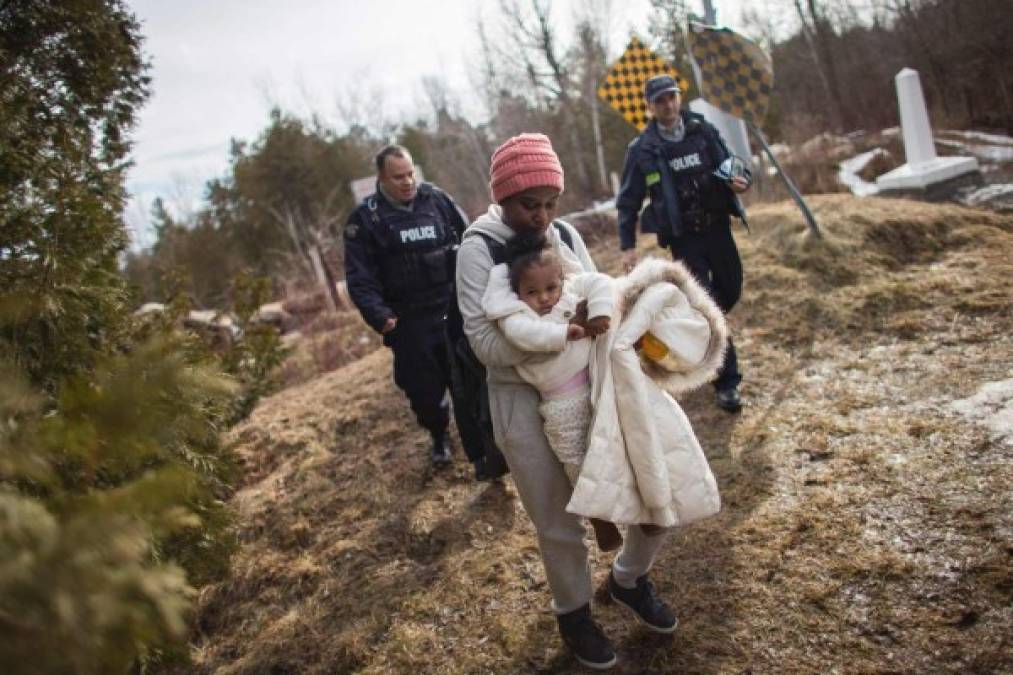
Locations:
(585, 639)
(440, 452)
(729, 400)
(481, 472)
(491, 466)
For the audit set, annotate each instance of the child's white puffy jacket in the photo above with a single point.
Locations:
(644, 463)
(529, 332)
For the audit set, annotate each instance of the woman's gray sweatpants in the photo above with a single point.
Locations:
(545, 491)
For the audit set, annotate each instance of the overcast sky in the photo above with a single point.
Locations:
(219, 65)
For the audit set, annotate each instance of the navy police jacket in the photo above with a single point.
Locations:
(400, 262)
(678, 177)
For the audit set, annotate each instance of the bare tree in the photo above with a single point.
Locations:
(763, 25)
(593, 66)
(437, 95)
(534, 45)
(365, 107)
(310, 236)
(456, 146)
(487, 78)
(668, 25)
(821, 38)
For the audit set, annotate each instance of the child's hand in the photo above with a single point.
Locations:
(580, 315)
(574, 332)
(597, 325)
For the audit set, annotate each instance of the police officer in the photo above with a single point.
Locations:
(399, 269)
(681, 162)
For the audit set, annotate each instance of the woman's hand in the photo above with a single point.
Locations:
(580, 314)
(738, 184)
(575, 332)
(629, 259)
(597, 325)
(589, 327)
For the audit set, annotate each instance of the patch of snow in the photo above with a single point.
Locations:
(992, 407)
(990, 193)
(826, 144)
(998, 139)
(848, 173)
(150, 308)
(892, 131)
(780, 149)
(987, 153)
(596, 207)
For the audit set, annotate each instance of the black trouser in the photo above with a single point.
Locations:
(711, 255)
(471, 402)
(422, 371)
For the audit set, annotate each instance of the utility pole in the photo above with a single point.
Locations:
(599, 148)
(711, 19)
(710, 15)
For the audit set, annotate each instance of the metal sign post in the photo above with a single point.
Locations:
(738, 77)
(795, 194)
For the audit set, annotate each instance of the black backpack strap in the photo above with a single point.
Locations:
(564, 234)
(496, 249)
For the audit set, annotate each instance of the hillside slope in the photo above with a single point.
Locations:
(867, 517)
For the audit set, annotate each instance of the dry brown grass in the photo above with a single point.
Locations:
(865, 528)
(325, 342)
(879, 164)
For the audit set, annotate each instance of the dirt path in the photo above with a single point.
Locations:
(867, 490)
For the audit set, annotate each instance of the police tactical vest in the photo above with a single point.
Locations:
(692, 163)
(417, 252)
(685, 195)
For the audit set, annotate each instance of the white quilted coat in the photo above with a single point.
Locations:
(644, 463)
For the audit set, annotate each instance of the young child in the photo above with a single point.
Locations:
(540, 311)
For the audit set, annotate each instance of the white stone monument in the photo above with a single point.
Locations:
(923, 168)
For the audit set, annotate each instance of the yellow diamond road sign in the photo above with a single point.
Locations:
(736, 75)
(623, 86)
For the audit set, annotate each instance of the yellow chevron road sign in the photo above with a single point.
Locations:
(736, 75)
(623, 86)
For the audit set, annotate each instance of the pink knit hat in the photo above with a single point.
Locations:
(523, 162)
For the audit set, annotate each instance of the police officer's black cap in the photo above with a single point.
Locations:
(658, 85)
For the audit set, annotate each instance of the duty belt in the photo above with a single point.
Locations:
(701, 221)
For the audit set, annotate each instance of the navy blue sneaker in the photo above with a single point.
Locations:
(642, 600)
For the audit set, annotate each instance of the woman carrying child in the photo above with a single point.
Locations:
(526, 181)
(541, 312)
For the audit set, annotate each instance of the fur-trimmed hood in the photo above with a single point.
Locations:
(644, 464)
(684, 335)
